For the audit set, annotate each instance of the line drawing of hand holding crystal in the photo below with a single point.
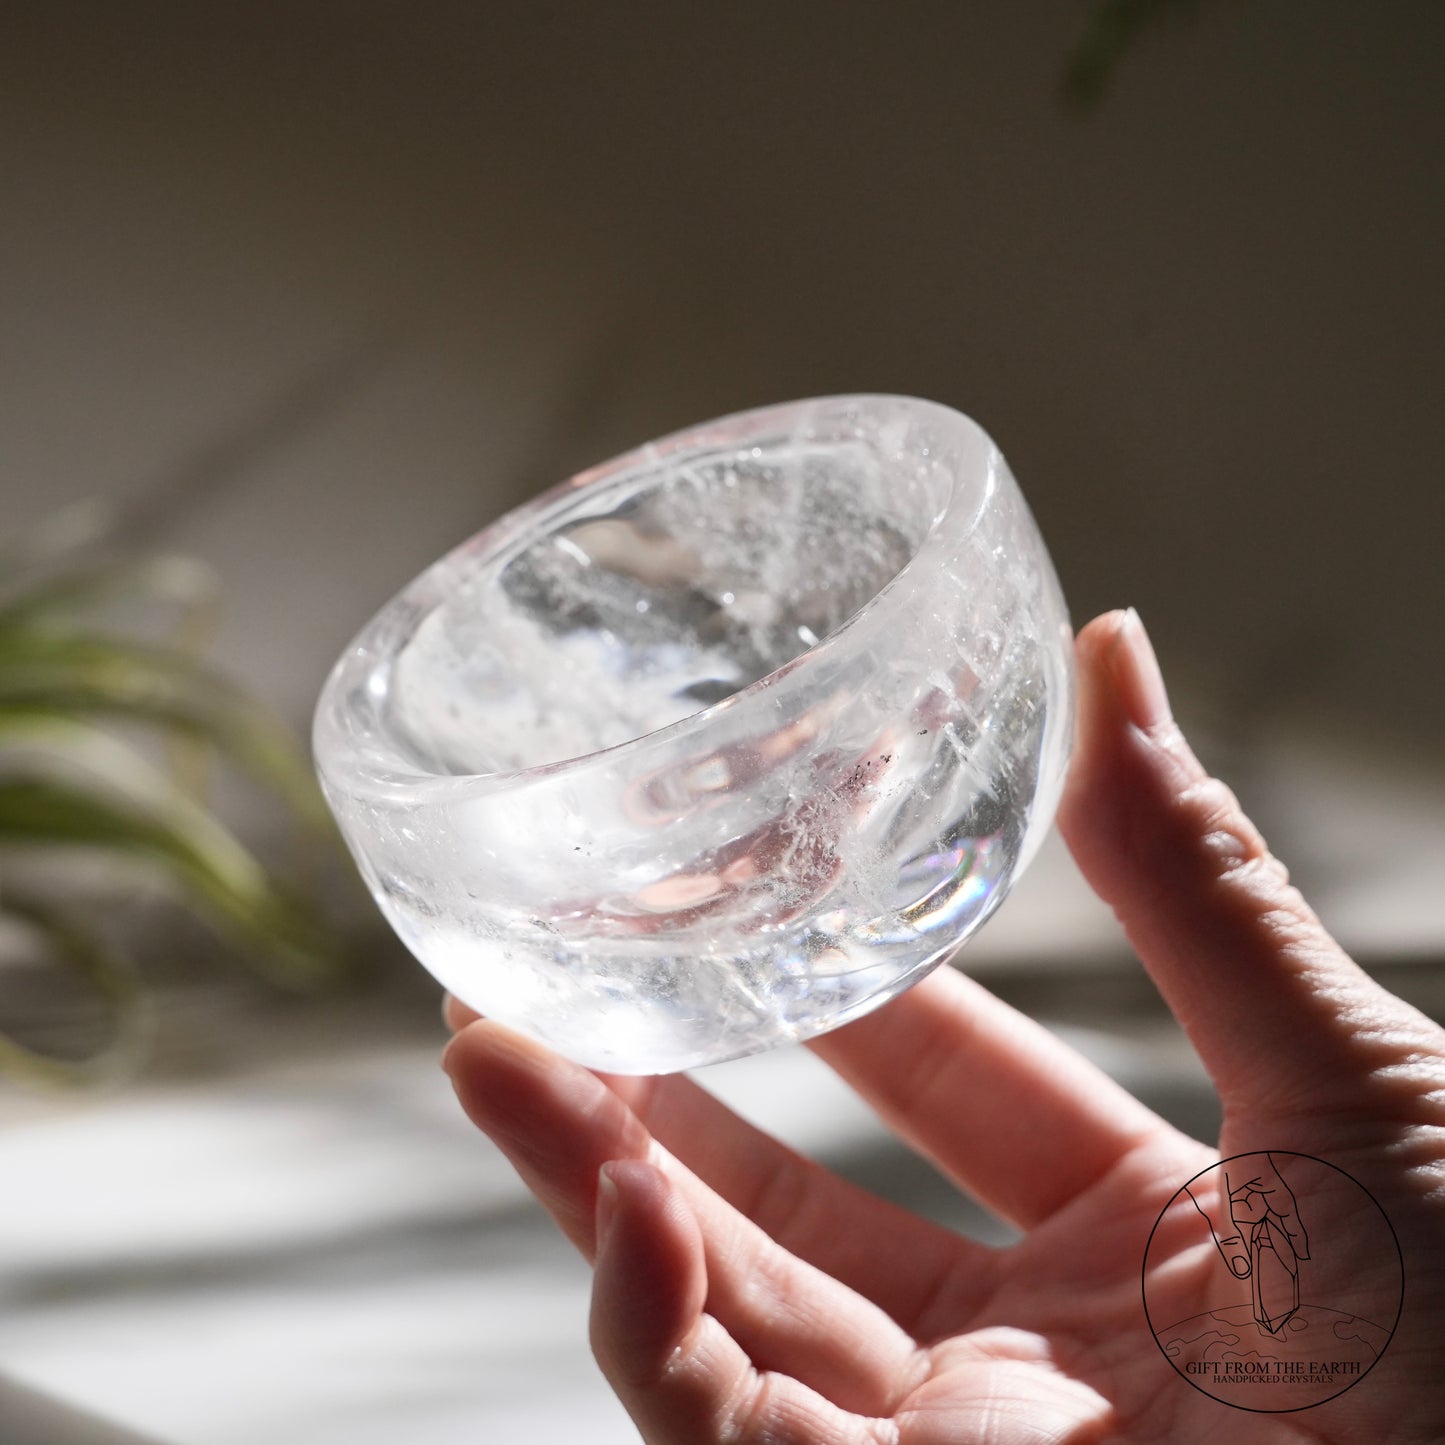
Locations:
(1256, 1227)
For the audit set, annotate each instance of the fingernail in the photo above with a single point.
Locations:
(606, 1201)
(1240, 1265)
(1137, 680)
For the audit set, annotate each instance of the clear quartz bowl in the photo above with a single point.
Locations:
(716, 746)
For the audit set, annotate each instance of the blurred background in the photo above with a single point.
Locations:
(310, 292)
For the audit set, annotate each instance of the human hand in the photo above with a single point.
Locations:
(744, 1294)
(1253, 1194)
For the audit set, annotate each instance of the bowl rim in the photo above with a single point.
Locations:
(361, 762)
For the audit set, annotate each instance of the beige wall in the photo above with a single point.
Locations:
(339, 281)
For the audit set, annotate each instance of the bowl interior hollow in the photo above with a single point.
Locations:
(665, 584)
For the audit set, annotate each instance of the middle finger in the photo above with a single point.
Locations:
(558, 1124)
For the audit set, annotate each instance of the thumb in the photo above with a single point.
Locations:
(1279, 1014)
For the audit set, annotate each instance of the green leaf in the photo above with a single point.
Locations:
(110, 974)
(67, 786)
(167, 833)
(62, 674)
(1111, 33)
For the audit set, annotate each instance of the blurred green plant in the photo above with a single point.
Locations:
(80, 694)
(1111, 32)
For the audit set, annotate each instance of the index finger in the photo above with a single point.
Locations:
(1278, 1012)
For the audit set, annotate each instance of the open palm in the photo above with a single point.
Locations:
(744, 1294)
